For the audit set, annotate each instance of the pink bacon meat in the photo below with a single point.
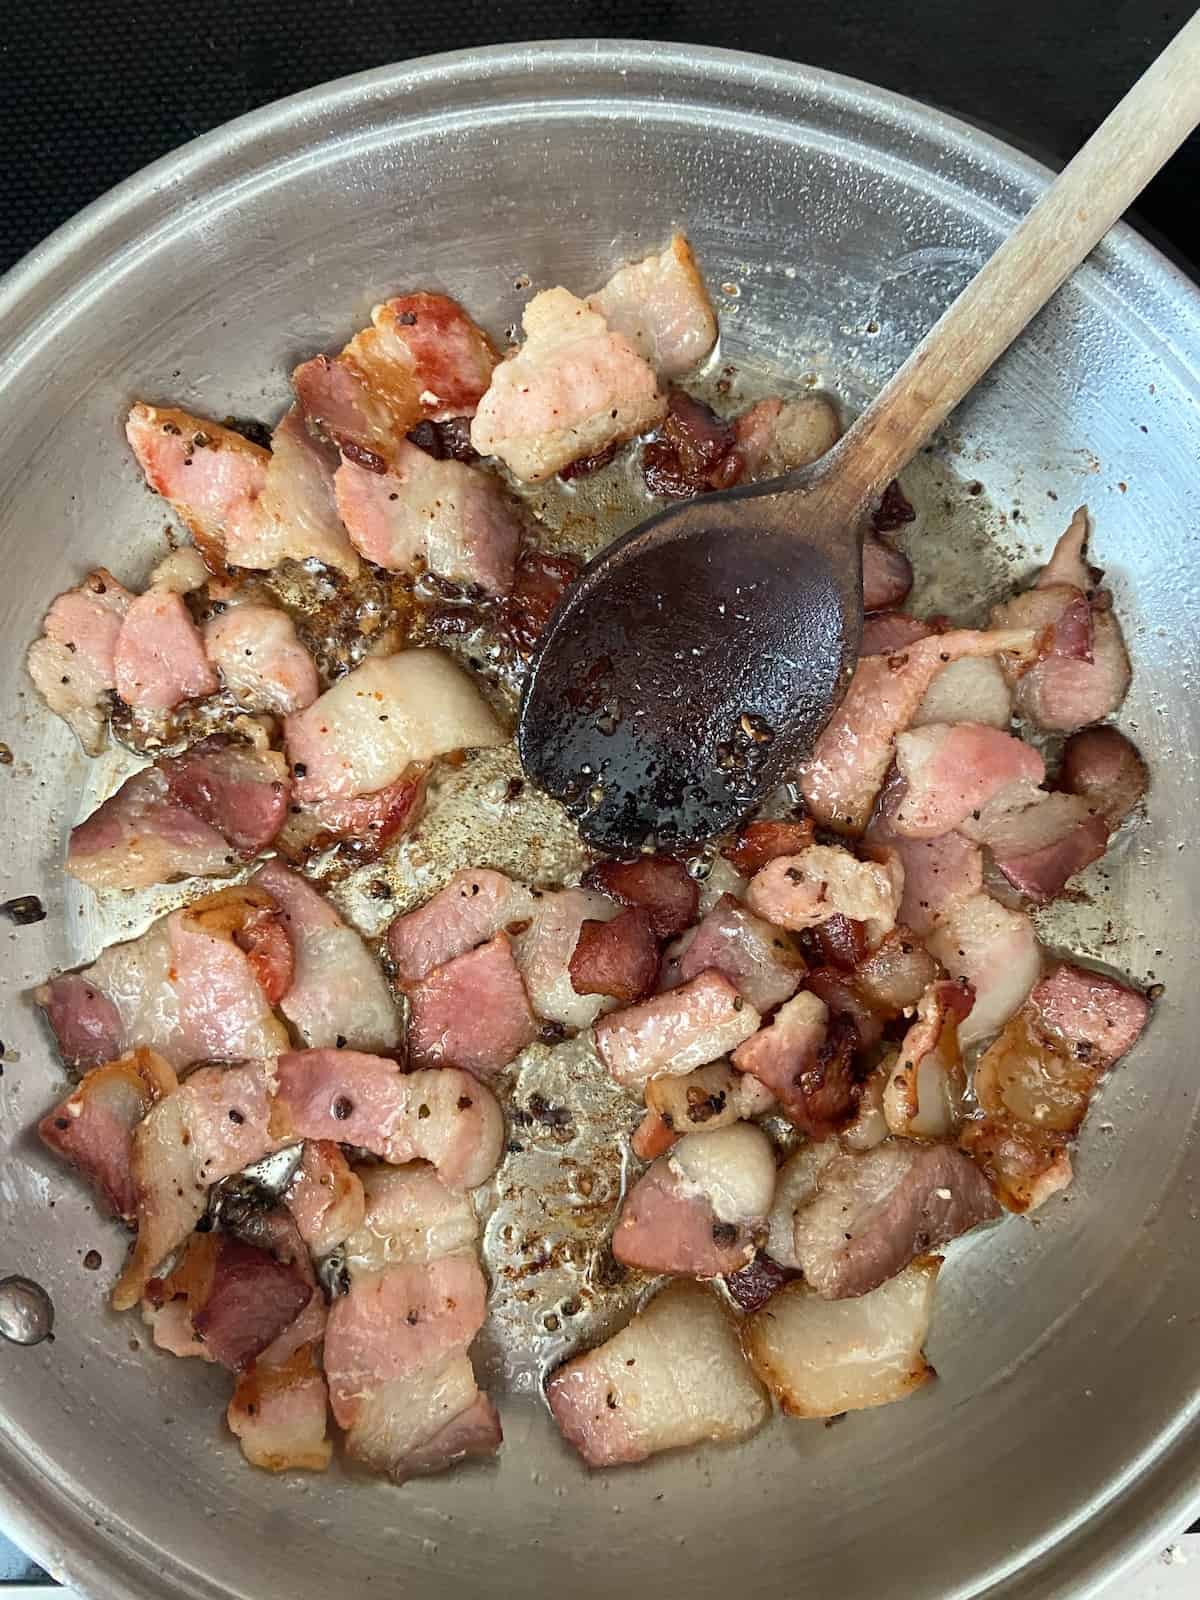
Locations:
(73, 663)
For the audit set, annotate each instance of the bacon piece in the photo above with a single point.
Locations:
(424, 1424)
(365, 732)
(448, 440)
(472, 1012)
(184, 988)
(953, 769)
(300, 521)
(539, 584)
(158, 659)
(806, 1061)
(1105, 769)
(824, 881)
(836, 942)
(618, 958)
(939, 874)
(1040, 847)
(251, 1299)
(1068, 563)
(1035, 1082)
(776, 436)
(196, 815)
(261, 660)
(337, 995)
(325, 1197)
(760, 961)
(696, 1211)
(72, 664)
(661, 306)
(212, 476)
(874, 1213)
(972, 689)
(822, 1358)
(657, 884)
(756, 843)
(887, 574)
(210, 1127)
(363, 822)
(544, 950)
(1065, 693)
(423, 515)
(672, 1033)
(93, 1127)
(444, 1116)
(796, 1183)
(475, 905)
(692, 451)
(888, 633)
(925, 1088)
(410, 1216)
(673, 1377)
(852, 756)
(278, 1415)
(996, 951)
(698, 1102)
(573, 388)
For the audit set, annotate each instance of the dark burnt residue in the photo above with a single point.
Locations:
(753, 1286)
(693, 452)
(250, 428)
(445, 441)
(23, 910)
(893, 511)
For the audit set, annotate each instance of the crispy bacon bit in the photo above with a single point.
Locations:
(755, 1283)
(894, 509)
(806, 1060)
(541, 581)
(924, 1092)
(586, 465)
(698, 1102)
(837, 942)
(446, 441)
(617, 958)
(693, 451)
(756, 843)
(657, 884)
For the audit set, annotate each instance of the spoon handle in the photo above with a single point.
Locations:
(1073, 215)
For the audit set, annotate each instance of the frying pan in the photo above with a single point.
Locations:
(1062, 1438)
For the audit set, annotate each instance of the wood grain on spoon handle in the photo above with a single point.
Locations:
(1069, 220)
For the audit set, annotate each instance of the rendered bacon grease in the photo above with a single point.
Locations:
(827, 1047)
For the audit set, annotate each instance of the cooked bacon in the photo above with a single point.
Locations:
(158, 659)
(1035, 1083)
(760, 961)
(822, 1358)
(696, 1211)
(184, 988)
(93, 1127)
(325, 1197)
(692, 452)
(807, 1062)
(850, 761)
(573, 388)
(475, 905)
(796, 1184)
(261, 660)
(939, 874)
(1068, 561)
(1040, 847)
(925, 1088)
(1103, 767)
(776, 436)
(617, 958)
(448, 440)
(473, 1012)
(953, 769)
(672, 1033)
(661, 306)
(251, 1298)
(197, 815)
(887, 633)
(364, 822)
(424, 1424)
(836, 942)
(972, 689)
(698, 1102)
(869, 1126)
(887, 575)
(423, 515)
(337, 995)
(301, 521)
(824, 881)
(444, 1116)
(421, 358)
(673, 1377)
(278, 1415)
(539, 584)
(657, 884)
(545, 948)
(875, 1212)
(838, 992)
(756, 843)
(753, 1285)
(212, 476)
(995, 950)
(894, 977)
(72, 664)
(181, 571)
(410, 1216)
(211, 1126)
(365, 732)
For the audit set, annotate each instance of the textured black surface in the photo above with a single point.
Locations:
(91, 90)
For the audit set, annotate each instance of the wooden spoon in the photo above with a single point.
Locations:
(696, 660)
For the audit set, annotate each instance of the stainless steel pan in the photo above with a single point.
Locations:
(1062, 1437)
